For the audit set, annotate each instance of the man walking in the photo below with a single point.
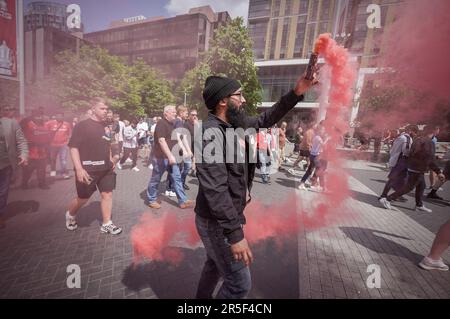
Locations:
(90, 148)
(421, 158)
(13, 153)
(398, 160)
(164, 160)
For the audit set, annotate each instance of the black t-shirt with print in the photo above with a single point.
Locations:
(93, 140)
(164, 130)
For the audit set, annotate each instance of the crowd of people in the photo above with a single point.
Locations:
(99, 142)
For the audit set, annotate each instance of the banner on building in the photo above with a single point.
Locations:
(8, 38)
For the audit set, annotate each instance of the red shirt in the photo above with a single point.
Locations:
(262, 141)
(38, 139)
(61, 131)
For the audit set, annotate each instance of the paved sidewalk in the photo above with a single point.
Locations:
(35, 249)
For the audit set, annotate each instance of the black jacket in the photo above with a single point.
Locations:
(222, 194)
(422, 156)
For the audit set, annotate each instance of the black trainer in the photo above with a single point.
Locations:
(433, 195)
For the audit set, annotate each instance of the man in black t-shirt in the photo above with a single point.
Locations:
(90, 148)
(163, 160)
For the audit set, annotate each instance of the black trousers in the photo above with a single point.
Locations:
(415, 180)
(127, 152)
(35, 164)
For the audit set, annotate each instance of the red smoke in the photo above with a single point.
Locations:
(414, 54)
(152, 237)
(342, 79)
(418, 46)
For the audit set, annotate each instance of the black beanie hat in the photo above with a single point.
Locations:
(217, 88)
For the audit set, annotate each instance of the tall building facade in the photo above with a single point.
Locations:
(284, 32)
(41, 47)
(172, 45)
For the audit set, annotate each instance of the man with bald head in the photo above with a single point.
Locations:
(164, 160)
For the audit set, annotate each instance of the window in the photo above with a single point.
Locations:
(259, 8)
(273, 38)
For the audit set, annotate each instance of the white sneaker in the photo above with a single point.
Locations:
(170, 194)
(119, 166)
(431, 264)
(386, 204)
(150, 167)
(302, 187)
(317, 189)
(136, 169)
(71, 223)
(53, 173)
(110, 228)
(423, 209)
(129, 160)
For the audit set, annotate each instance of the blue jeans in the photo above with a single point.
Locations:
(160, 166)
(62, 152)
(185, 167)
(5, 180)
(220, 262)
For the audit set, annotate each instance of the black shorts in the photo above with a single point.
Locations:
(105, 181)
(142, 141)
(305, 153)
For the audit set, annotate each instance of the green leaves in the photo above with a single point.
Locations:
(135, 90)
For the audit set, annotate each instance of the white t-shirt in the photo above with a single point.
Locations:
(129, 134)
(120, 135)
(142, 128)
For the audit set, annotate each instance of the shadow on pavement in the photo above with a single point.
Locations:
(370, 239)
(274, 273)
(275, 269)
(166, 280)
(88, 214)
(366, 198)
(287, 182)
(20, 207)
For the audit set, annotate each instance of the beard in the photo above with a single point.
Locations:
(236, 116)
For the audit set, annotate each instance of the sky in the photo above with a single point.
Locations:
(97, 15)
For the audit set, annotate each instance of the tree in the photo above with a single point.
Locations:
(230, 54)
(135, 90)
(192, 85)
(93, 72)
(150, 91)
